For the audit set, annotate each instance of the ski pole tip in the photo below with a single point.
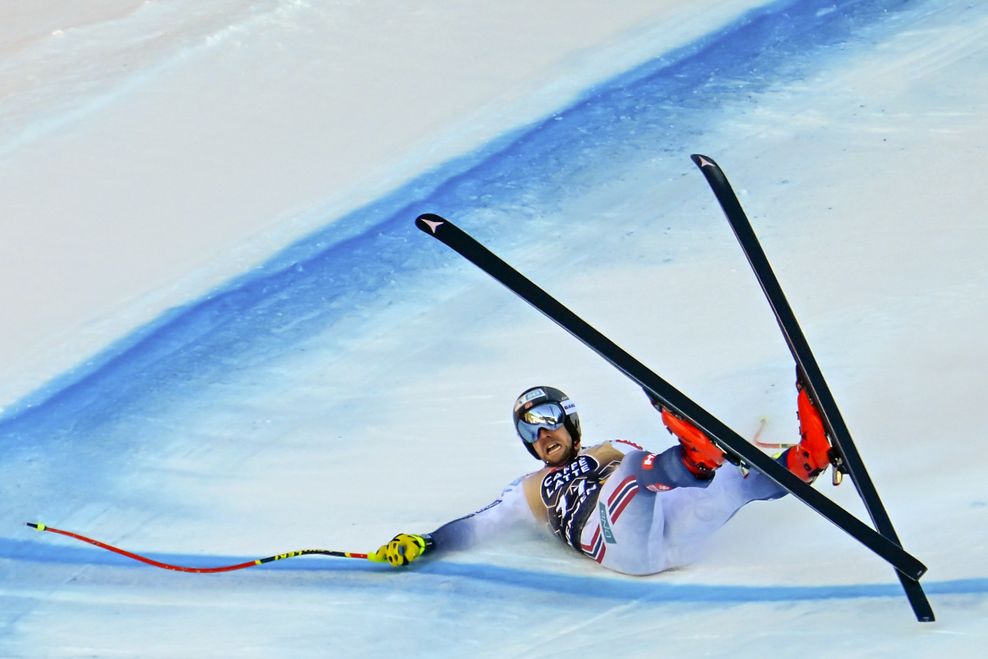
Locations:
(37, 525)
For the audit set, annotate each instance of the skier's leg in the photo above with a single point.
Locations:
(619, 534)
(690, 516)
(626, 532)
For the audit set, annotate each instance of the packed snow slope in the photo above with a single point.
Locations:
(357, 382)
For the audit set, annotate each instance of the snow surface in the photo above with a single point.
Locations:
(224, 339)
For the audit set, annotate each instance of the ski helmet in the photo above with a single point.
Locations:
(540, 395)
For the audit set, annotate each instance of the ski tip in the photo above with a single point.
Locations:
(36, 525)
(702, 161)
(430, 223)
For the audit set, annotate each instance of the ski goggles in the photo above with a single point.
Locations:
(547, 415)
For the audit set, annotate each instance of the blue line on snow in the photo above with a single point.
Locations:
(609, 587)
(352, 266)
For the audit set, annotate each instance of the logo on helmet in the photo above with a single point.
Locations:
(529, 397)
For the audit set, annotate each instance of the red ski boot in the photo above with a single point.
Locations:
(700, 455)
(811, 456)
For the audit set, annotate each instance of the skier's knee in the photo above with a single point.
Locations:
(659, 472)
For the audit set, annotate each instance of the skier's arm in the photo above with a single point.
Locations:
(510, 509)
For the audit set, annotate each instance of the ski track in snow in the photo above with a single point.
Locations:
(224, 423)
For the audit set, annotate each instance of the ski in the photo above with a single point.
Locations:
(728, 440)
(848, 459)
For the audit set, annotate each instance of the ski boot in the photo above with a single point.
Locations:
(700, 455)
(812, 455)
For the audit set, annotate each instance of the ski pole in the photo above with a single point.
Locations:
(197, 570)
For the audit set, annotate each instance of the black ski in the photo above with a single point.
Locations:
(729, 441)
(848, 458)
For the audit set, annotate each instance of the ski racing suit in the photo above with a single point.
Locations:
(639, 513)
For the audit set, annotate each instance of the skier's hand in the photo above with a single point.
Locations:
(402, 550)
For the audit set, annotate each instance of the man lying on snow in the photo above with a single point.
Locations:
(630, 510)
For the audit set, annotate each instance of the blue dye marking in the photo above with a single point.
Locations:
(611, 587)
(353, 266)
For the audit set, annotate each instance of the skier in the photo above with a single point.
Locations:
(630, 510)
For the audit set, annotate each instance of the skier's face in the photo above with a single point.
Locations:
(555, 447)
